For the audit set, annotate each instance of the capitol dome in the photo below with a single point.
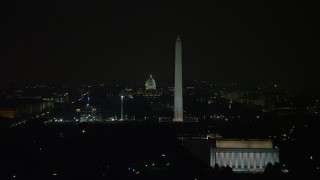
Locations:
(150, 83)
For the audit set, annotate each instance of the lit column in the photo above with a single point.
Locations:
(246, 160)
(236, 160)
(269, 158)
(254, 160)
(276, 157)
(218, 158)
(232, 160)
(212, 156)
(223, 158)
(242, 160)
(121, 107)
(260, 161)
(264, 160)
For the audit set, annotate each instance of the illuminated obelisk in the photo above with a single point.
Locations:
(178, 103)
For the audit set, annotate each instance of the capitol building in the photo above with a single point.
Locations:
(150, 83)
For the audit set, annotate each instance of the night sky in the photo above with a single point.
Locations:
(123, 42)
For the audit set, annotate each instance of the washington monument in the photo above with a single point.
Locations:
(178, 103)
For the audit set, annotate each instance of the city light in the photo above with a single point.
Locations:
(236, 97)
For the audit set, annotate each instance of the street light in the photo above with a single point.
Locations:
(121, 107)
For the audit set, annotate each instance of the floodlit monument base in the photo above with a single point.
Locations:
(185, 120)
(244, 155)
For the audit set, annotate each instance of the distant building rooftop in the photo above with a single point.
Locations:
(244, 143)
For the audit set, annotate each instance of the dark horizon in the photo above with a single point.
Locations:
(248, 42)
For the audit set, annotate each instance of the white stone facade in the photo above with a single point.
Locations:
(244, 155)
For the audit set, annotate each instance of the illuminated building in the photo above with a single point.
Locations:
(150, 83)
(244, 155)
(89, 114)
(8, 113)
(178, 102)
(14, 108)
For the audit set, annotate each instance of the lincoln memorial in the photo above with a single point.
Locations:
(248, 155)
